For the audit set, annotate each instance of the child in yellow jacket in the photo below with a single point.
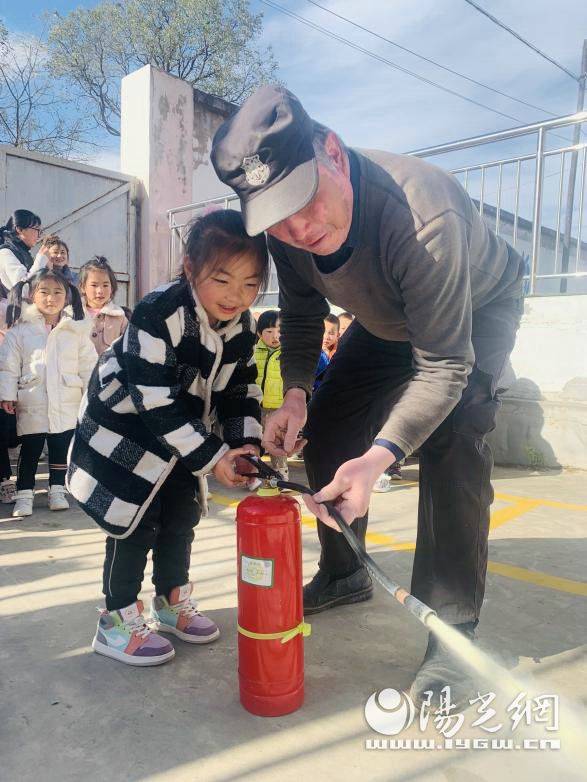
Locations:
(268, 360)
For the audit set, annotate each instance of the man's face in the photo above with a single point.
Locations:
(322, 226)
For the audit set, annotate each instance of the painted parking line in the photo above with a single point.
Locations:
(499, 517)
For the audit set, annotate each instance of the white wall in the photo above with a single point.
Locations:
(156, 146)
(551, 347)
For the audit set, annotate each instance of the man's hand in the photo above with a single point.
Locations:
(8, 407)
(281, 435)
(225, 470)
(350, 489)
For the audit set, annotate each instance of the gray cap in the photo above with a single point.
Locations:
(264, 152)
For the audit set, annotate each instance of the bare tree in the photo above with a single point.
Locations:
(34, 112)
(208, 43)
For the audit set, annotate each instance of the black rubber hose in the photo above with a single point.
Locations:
(420, 610)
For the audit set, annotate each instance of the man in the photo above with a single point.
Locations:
(437, 299)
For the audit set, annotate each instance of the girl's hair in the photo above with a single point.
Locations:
(55, 241)
(20, 218)
(72, 295)
(267, 320)
(216, 236)
(97, 264)
(347, 315)
(333, 319)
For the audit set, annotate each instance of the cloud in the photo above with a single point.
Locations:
(373, 105)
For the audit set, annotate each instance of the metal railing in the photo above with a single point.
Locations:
(551, 250)
(557, 259)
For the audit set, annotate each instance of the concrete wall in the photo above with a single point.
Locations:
(156, 146)
(543, 421)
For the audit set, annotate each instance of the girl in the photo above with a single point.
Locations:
(98, 286)
(45, 363)
(145, 437)
(58, 258)
(17, 237)
(21, 232)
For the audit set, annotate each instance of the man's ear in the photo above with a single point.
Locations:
(335, 152)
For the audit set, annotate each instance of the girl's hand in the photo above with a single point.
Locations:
(8, 407)
(225, 470)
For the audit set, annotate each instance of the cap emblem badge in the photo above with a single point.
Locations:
(256, 172)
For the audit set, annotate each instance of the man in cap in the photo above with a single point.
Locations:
(437, 298)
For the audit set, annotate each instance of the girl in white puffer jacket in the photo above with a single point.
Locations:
(45, 363)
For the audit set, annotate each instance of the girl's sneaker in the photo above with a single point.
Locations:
(7, 492)
(383, 483)
(57, 498)
(179, 615)
(124, 635)
(23, 505)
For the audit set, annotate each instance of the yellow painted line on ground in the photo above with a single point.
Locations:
(501, 516)
(538, 578)
(541, 501)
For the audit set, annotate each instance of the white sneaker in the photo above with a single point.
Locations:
(7, 492)
(24, 503)
(383, 483)
(57, 498)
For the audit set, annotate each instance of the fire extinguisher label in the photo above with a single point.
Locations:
(258, 572)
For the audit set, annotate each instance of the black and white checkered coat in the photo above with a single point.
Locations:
(152, 400)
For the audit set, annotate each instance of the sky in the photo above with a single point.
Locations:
(373, 105)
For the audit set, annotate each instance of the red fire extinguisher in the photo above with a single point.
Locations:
(271, 625)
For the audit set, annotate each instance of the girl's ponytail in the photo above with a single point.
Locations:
(76, 303)
(14, 309)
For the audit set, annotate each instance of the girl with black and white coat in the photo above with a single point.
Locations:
(171, 401)
(45, 363)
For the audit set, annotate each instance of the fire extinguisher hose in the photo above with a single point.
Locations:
(420, 610)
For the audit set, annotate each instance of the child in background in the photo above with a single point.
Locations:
(98, 286)
(57, 253)
(331, 334)
(171, 401)
(268, 360)
(345, 319)
(45, 363)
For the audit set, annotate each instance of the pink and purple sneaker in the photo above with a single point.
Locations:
(124, 635)
(179, 615)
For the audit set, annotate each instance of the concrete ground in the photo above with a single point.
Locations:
(68, 714)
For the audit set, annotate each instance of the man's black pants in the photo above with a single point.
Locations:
(345, 415)
(167, 528)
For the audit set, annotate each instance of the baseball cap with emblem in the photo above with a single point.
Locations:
(264, 153)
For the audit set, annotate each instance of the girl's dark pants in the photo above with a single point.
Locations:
(364, 379)
(167, 528)
(31, 449)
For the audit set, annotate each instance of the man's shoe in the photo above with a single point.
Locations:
(439, 669)
(324, 592)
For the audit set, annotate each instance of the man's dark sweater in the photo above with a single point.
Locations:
(422, 262)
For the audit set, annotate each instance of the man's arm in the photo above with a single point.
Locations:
(302, 313)
(432, 269)
(303, 310)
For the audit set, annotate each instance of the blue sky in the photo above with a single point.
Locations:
(372, 105)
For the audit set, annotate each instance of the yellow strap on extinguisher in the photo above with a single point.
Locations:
(303, 628)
